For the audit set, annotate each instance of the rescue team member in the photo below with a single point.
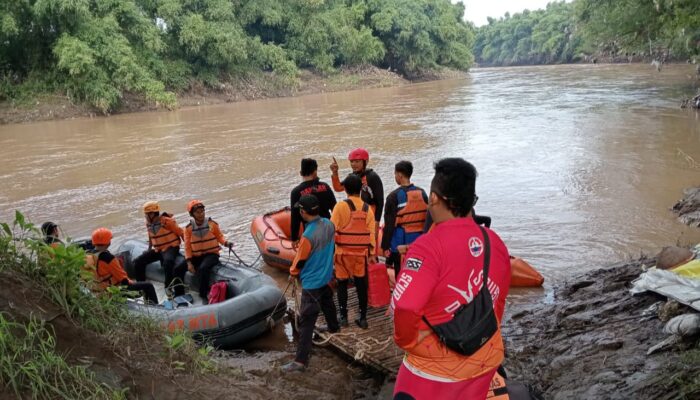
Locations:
(313, 265)
(404, 215)
(372, 187)
(310, 185)
(164, 237)
(202, 240)
(442, 271)
(108, 271)
(51, 233)
(354, 247)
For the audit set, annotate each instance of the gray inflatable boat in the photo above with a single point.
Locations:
(253, 305)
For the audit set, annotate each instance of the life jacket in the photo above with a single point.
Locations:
(101, 276)
(203, 240)
(412, 216)
(354, 238)
(161, 238)
(217, 294)
(497, 388)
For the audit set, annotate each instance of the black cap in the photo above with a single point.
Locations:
(308, 203)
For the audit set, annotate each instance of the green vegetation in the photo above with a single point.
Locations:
(97, 51)
(614, 29)
(29, 362)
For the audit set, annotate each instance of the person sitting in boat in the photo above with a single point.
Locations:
(310, 185)
(354, 247)
(456, 268)
(202, 240)
(51, 234)
(164, 238)
(372, 191)
(108, 271)
(405, 213)
(313, 266)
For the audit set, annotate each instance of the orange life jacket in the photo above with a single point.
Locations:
(105, 275)
(412, 217)
(432, 357)
(354, 238)
(160, 237)
(203, 240)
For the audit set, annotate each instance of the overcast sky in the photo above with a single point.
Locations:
(478, 10)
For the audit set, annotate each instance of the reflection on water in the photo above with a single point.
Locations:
(578, 164)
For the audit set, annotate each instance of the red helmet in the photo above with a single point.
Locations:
(359, 154)
(194, 204)
(101, 237)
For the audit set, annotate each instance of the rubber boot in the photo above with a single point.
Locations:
(361, 287)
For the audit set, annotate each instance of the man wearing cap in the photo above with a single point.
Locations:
(310, 185)
(313, 266)
(372, 191)
(354, 247)
(164, 237)
(202, 240)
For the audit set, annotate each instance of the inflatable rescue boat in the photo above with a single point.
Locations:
(253, 305)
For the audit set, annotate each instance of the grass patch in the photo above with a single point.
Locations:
(60, 275)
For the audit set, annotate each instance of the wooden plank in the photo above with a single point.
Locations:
(373, 347)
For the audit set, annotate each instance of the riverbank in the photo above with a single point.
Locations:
(592, 341)
(253, 87)
(688, 208)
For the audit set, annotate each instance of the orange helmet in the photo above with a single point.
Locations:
(151, 206)
(358, 154)
(101, 237)
(193, 204)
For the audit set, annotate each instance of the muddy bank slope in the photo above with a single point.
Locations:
(143, 369)
(688, 208)
(592, 342)
(254, 87)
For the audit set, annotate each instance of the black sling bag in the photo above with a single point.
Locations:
(473, 323)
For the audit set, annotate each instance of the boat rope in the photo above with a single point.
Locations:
(270, 320)
(269, 227)
(251, 265)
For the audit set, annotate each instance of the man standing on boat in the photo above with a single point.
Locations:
(310, 185)
(313, 265)
(372, 191)
(202, 240)
(164, 237)
(354, 247)
(404, 215)
(441, 282)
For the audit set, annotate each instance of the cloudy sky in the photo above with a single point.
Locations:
(478, 10)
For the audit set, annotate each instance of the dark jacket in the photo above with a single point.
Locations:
(323, 193)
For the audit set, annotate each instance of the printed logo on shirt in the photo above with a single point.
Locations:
(413, 264)
(475, 246)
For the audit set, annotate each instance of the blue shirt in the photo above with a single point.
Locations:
(318, 269)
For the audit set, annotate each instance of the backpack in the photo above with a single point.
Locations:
(217, 294)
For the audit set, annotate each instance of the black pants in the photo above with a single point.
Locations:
(394, 260)
(149, 292)
(167, 260)
(203, 265)
(313, 301)
(361, 287)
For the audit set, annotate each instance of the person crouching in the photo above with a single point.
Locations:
(108, 271)
(202, 240)
(313, 265)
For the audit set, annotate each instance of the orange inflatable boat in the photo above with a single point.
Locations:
(523, 274)
(271, 233)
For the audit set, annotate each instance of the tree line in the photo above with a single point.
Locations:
(581, 29)
(96, 51)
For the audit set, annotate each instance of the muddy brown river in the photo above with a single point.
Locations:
(578, 164)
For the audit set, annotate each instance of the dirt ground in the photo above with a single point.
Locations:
(688, 208)
(592, 342)
(257, 87)
(243, 374)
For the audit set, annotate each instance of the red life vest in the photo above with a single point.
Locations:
(354, 238)
(412, 216)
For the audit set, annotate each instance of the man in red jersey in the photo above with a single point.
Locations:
(444, 270)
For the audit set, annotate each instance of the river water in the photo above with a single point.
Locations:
(578, 164)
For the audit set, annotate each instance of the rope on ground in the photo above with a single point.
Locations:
(364, 346)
